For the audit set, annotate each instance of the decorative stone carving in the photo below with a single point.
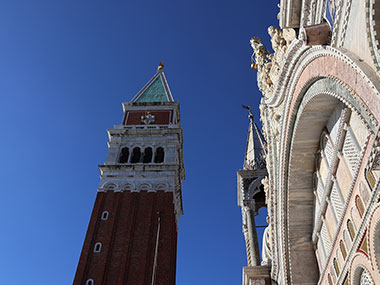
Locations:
(265, 183)
(275, 119)
(365, 278)
(374, 158)
(148, 118)
(268, 70)
(289, 35)
(268, 65)
(278, 41)
(373, 31)
(266, 253)
(261, 62)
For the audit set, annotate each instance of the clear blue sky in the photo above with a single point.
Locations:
(65, 68)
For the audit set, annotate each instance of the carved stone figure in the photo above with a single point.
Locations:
(266, 247)
(261, 62)
(289, 35)
(268, 65)
(277, 40)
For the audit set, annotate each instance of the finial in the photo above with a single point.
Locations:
(160, 66)
(250, 116)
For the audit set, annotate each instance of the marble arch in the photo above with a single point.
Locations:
(311, 71)
(319, 85)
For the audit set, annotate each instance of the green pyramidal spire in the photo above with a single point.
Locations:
(154, 93)
(156, 90)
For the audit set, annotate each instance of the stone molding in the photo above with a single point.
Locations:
(361, 231)
(256, 275)
(374, 157)
(346, 9)
(307, 11)
(290, 13)
(294, 72)
(271, 203)
(374, 224)
(119, 185)
(290, 59)
(373, 31)
(359, 263)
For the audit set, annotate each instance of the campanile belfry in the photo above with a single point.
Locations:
(132, 234)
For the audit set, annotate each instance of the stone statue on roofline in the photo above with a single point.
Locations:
(268, 65)
(262, 62)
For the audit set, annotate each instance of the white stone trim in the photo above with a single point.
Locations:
(372, 35)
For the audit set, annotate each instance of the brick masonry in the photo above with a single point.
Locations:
(128, 239)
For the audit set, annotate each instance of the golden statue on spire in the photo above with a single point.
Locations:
(160, 66)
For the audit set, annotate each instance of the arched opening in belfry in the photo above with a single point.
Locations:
(159, 155)
(124, 156)
(136, 154)
(148, 153)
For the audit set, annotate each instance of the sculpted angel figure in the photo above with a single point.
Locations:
(268, 65)
(277, 39)
(261, 62)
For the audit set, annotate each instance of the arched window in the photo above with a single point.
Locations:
(364, 193)
(98, 247)
(370, 178)
(136, 154)
(90, 282)
(336, 267)
(160, 155)
(351, 229)
(148, 153)
(105, 215)
(346, 239)
(124, 156)
(109, 186)
(359, 205)
(343, 250)
(330, 280)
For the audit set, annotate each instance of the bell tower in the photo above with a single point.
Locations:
(132, 234)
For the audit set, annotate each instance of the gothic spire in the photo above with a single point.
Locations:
(255, 150)
(156, 90)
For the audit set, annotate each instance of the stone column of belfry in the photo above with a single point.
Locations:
(132, 234)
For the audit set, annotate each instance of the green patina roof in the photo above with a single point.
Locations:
(154, 93)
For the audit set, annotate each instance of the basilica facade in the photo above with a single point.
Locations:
(318, 168)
